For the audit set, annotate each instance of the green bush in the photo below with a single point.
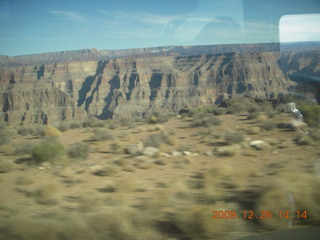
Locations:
(79, 150)
(233, 137)
(311, 114)
(47, 151)
(102, 134)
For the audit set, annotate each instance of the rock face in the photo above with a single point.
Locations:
(126, 87)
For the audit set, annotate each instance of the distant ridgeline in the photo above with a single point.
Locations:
(73, 85)
(96, 55)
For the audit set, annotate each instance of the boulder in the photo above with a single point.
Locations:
(259, 145)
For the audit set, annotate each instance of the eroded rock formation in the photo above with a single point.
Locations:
(125, 87)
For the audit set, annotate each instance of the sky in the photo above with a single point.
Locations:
(37, 26)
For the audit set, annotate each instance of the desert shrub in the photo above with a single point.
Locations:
(219, 111)
(79, 150)
(269, 111)
(102, 134)
(314, 133)
(24, 180)
(254, 109)
(262, 118)
(24, 131)
(164, 148)
(47, 151)
(112, 124)
(107, 171)
(116, 147)
(268, 125)
(311, 114)
(185, 148)
(204, 120)
(23, 148)
(7, 149)
(232, 137)
(39, 131)
(27, 228)
(93, 122)
(6, 166)
(46, 193)
(237, 105)
(64, 126)
(155, 140)
(171, 140)
(157, 117)
(127, 122)
(253, 115)
(74, 125)
(4, 137)
(52, 132)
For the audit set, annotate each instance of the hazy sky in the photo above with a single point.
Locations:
(36, 26)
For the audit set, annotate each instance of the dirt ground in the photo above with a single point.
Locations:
(166, 189)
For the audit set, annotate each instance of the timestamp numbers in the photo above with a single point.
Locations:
(263, 214)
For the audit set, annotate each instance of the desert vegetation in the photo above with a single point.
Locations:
(162, 176)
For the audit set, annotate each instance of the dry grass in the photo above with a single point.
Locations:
(232, 137)
(7, 149)
(196, 221)
(107, 171)
(167, 197)
(6, 165)
(46, 193)
(291, 191)
(24, 180)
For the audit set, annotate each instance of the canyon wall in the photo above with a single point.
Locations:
(126, 87)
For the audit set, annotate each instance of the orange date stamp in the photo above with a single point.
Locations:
(262, 214)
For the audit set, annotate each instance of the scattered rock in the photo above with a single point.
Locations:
(150, 151)
(187, 153)
(176, 153)
(259, 145)
(164, 155)
(141, 158)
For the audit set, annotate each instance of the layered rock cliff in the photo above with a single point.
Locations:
(125, 87)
